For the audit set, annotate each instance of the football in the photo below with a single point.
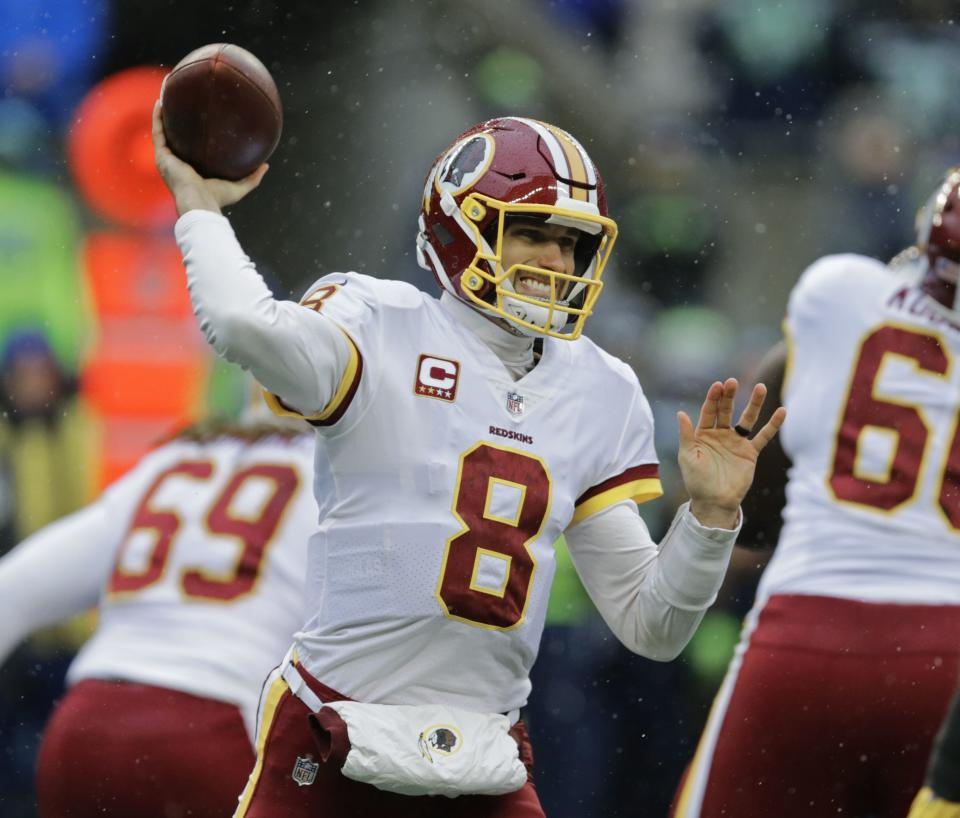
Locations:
(221, 111)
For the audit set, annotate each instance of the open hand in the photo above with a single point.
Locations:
(716, 461)
(190, 190)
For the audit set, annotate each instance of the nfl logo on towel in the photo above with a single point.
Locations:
(305, 770)
(515, 403)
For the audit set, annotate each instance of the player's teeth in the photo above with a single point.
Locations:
(535, 286)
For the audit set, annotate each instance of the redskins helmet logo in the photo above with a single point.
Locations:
(466, 162)
(442, 738)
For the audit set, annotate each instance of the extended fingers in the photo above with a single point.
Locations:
(725, 405)
(711, 406)
(751, 412)
(769, 430)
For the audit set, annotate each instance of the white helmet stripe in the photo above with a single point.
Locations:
(556, 153)
(570, 159)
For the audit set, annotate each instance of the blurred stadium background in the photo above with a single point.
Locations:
(739, 140)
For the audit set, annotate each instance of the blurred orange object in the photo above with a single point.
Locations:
(111, 154)
(146, 374)
(172, 389)
(134, 275)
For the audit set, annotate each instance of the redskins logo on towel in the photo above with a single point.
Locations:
(444, 739)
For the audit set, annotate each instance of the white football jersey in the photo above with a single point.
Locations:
(206, 590)
(872, 396)
(442, 485)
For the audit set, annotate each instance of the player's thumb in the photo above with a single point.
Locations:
(229, 193)
(684, 429)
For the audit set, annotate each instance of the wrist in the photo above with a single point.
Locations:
(710, 515)
(193, 199)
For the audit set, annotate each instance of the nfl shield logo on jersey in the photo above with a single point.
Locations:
(305, 770)
(515, 403)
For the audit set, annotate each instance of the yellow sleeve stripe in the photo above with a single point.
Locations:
(640, 491)
(334, 410)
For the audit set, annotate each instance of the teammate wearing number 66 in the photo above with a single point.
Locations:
(457, 439)
(853, 644)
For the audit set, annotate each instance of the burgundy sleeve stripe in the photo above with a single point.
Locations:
(648, 471)
(348, 398)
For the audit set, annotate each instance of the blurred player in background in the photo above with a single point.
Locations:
(196, 560)
(940, 795)
(457, 439)
(850, 654)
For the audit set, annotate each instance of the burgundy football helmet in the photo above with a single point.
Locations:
(505, 168)
(938, 240)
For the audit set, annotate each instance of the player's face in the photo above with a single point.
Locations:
(536, 244)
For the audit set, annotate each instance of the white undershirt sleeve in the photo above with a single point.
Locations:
(294, 352)
(652, 597)
(55, 573)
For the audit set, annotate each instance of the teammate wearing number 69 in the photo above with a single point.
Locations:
(852, 646)
(457, 439)
(195, 560)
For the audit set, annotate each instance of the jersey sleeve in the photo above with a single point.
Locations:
(62, 569)
(294, 352)
(830, 293)
(633, 473)
(828, 287)
(350, 304)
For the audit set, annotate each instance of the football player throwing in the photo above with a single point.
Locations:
(457, 438)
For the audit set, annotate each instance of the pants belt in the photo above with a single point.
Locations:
(298, 686)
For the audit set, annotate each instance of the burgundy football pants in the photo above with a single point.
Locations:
(118, 750)
(831, 711)
(284, 736)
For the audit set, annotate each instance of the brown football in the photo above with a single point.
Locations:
(221, 111)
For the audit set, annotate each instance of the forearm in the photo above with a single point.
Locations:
(653, 598)
(55, 573)
(294, 352)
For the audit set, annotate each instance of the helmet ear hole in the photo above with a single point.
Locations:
(442, 234)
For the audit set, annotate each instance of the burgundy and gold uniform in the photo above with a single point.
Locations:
(476, 475)
(849, 656)
(457, 439)
(196, 560)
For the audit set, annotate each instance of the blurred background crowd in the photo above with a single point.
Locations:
(739, 139)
